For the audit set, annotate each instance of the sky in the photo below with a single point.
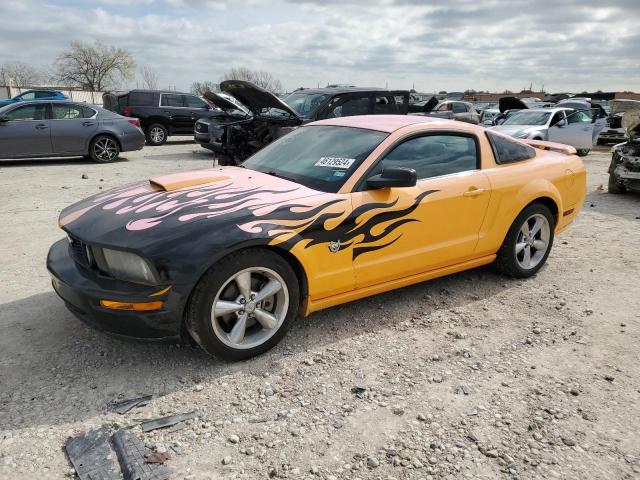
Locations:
(570, 45)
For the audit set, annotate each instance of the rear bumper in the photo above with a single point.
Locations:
(82, 289)
(132, 141)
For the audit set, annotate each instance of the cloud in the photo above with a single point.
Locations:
(496, 45)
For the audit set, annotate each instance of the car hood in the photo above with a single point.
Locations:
(220, 102)
(517, 130)
(511, 103)
(254, 97)
(631, 117)
(227, 202)
(8, 101)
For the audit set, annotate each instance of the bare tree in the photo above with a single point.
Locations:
(200, 88)
(19, 74)
(257, 77)
(95, 67)
(149, 77)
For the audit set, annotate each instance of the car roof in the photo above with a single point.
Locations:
(173, 92)
(553, 109)
(336, 90)
(391, 123)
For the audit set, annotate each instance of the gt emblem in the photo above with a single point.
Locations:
(334, 246)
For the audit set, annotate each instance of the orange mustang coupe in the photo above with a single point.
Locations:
(334, 211)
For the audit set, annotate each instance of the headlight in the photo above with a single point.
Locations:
(129, 266)
(523, 135)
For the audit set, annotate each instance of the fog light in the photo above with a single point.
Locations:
(138, 307)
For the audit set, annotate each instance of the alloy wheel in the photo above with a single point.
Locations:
(249, 308)
(105, 149)
(157, 135)
(532, 241)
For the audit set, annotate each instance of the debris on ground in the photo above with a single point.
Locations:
(132, 456)
(92, 457)
(124, 406)
(359, 390)
(164, 422)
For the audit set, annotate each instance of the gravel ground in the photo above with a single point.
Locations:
(470, 376)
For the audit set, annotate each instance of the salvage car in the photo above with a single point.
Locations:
(35, 94)
(64, 129)
(561, 125)
(162, 113)
(335, 211)
(455, 110)
(624, 170)
(234, 139)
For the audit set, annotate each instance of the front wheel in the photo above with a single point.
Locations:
(583, 152)
(244, 305)
(104, 149)
(527, 245)
(614, 186)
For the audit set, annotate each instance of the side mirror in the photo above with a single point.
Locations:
(561, 123)
(393, 177)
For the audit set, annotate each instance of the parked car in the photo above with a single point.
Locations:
(624, 170)
(613, 132)
(488, 116)
(161, 113)
(455, 110)
(235, 138)
(561, 125)
(63, 128)
(37, 94)
(597, 113)
(335, 211)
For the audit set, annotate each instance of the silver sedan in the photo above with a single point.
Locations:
(64, 129)
(562, 125)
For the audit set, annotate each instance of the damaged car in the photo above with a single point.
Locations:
(624, 170)
(268, 117)
(561, 125)
(453, 110)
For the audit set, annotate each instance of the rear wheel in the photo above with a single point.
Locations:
(244, 305)
(156, 134)
(104, 149)
(583, 152)
(614, 186)
(527, 245)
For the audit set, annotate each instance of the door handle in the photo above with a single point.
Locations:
(473, 192)
(87, 124)
(41, 126)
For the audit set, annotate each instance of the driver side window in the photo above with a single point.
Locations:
(434, 155)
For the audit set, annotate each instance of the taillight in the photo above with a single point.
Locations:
(135, 122)
(128, 111)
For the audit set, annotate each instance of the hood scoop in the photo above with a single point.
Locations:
(177, 181)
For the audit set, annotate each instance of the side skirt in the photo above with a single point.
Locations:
(322, 303)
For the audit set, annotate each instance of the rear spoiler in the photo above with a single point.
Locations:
(551, 146)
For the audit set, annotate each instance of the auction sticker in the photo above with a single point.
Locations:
(335, 162)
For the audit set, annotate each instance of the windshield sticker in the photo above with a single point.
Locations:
(335, 162)
(338, 173)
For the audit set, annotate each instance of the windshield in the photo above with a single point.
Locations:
(528, 118)
(305, 104)
(319, 157)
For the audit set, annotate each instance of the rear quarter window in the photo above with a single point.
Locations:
(509, 151)
(141, 99)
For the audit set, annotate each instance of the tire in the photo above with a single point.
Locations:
(156, 134)
(583, 152)
(104, 149)
(509, 261)
(614, 186)
(600, 142)
(216, 331)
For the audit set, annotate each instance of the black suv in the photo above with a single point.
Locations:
(161, 113)
(238, 133)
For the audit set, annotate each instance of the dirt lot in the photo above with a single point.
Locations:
(470, 376)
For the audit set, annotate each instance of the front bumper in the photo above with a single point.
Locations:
(82, 289)
(204, 139)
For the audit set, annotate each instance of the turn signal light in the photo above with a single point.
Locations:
(138, 307)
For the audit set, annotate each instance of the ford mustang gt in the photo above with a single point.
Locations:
(335, 211)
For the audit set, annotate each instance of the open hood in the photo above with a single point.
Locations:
(219, 101)
(631, 117)
(511, 103)
(426, 108)
(254, 97)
